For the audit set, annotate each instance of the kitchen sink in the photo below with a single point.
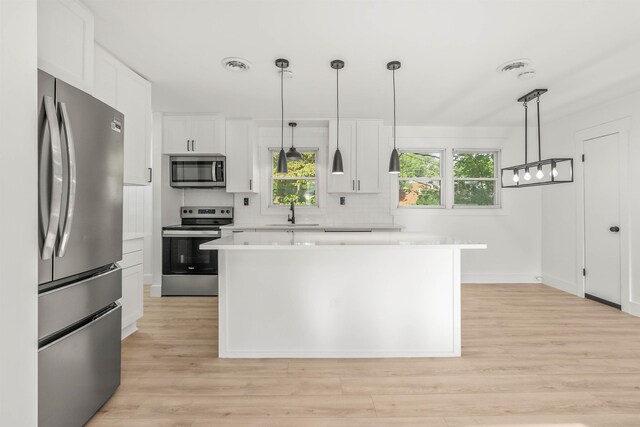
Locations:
(293, 225)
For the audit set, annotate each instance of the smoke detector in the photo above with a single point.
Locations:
(236, 64)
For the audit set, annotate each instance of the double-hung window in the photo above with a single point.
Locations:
(299, 184)
(420, 179)
(475, 178)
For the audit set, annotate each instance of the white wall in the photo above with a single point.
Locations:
(512, 233)
(560, 266)
(18, 214)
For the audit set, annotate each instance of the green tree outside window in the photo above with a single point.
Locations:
(474, 176)
(420, 178)
(299, 184)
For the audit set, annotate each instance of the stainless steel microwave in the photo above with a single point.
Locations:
(198, 171)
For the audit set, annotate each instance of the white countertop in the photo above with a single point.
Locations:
(302, 226)
(311, 240)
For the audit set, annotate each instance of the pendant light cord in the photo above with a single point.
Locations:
(393, 74)
(337, 111)
(282, 107)
(539, 149)
(526, 131)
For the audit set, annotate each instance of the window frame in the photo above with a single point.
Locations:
(442, 178)
(272, 150)
(497, 196)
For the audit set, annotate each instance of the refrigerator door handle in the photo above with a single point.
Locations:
(56, 179)
(71, 200)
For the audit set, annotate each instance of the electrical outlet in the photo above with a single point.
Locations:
(246, 201)
(343, 200)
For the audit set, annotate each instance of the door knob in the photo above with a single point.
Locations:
(614, 229)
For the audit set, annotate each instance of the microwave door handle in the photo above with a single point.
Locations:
(71, 200)
(213, 171)
(55, 178)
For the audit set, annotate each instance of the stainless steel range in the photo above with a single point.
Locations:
(187, 270)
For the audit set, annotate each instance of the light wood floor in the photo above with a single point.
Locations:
(532, 356)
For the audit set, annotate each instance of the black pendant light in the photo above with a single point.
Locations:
(282, 157)
(394, 161)
(558, 169)
(337, 168)
(293, 155)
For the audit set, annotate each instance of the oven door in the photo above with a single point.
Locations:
(181, 254)
(197, 172)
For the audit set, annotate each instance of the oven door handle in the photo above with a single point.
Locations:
(185, 233)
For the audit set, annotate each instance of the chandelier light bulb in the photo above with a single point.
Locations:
(527, 175)
(554, 172)
(539, 174)
(516, 177)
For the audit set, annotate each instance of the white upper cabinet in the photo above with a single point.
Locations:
(193, 134)
(127, 92)
(368, 137)
(360, 149)
(242, 162)
(346, 182)
(65, 42)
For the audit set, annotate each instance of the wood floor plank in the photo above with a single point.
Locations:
(532, 356)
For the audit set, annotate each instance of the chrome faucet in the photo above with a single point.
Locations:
(292, 218)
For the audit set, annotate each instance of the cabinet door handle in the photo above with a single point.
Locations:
(250, 184)
(193, 145)
(188, 146)
(150, 174)
(358, 185)
(353, 184)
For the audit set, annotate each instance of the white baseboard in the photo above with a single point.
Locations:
(488, 278)
(128, 330)
(155, 291)
(148, 279)
(560, 284)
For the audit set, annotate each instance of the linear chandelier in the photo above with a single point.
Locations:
(555, 170)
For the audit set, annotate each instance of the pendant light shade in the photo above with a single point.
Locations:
(293, 155)
(394, 161)
(282, 157)
(337, 167)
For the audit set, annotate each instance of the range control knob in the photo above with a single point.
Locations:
(184, 211)
(190, 211)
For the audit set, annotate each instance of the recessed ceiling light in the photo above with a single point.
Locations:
(236, 64)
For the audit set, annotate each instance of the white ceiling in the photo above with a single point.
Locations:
(585, 52)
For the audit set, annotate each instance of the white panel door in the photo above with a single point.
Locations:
(176, 135)
(345, 183)
(368, 163)
(602, 215)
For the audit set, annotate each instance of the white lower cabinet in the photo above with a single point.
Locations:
(132, 285)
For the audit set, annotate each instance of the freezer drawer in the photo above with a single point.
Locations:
(79, 372)
(61, 307)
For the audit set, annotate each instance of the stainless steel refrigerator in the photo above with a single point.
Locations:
(80, 143)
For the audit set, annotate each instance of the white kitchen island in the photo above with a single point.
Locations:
(314, 294)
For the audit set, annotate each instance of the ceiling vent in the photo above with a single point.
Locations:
(236, 64)
(515, 66)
